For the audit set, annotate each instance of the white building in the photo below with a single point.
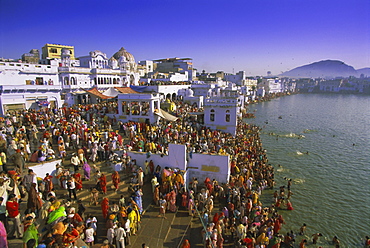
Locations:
(96, 70)
(221, 113)
(141, 107)
(25, 85)
(271, 85)
(187, 96)
(200, 88)
(145, 67)
(179, 65)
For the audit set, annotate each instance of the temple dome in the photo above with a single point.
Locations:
(123, 53)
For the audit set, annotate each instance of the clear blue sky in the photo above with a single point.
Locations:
(251, 35)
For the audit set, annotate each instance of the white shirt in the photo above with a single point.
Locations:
(120, 233)
(93, 222)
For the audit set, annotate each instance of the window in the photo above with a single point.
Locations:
(144, 108)
(53, 50)
(212, 115)
(39, 81)
(135, 108)
(227, 117)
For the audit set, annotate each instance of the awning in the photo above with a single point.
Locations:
(138, 88)
(126, 90)
(111, 92)
(97, 93)
(166, 115)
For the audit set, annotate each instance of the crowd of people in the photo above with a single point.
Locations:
(87, 134)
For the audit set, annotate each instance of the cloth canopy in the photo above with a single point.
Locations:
(166, 115)
(138, 88)
(126, 90)
(97, 93)
(111, 92)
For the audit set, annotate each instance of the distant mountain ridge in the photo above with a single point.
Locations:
(326, 69)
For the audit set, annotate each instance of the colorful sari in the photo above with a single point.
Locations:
(87, 171)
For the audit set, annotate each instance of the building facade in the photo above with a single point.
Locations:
(95, 70)
(221, 113)
(28, 85)
(59, 78)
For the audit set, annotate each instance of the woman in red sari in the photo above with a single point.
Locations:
(70, 236)
(105, 207)
(103, 183)
(78, 181)
(115, 179)
(172, 201)
(49, 186)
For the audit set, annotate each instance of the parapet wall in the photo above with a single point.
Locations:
(199, 165)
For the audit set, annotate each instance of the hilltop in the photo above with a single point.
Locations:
(326, 69)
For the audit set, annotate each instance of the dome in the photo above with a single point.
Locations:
(96, 53)
(123, 53)
(113, 63)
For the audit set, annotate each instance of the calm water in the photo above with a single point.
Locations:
(331, 184)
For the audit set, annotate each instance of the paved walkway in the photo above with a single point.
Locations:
(155, 231)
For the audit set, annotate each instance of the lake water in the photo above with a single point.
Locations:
(331, 184)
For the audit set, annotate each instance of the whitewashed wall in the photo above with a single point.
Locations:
(175, 159)
(212, 166)
(200, 165)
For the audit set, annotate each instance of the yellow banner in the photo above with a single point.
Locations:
(210, 168)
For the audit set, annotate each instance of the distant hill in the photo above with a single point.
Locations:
(365, 71)
(324, 69)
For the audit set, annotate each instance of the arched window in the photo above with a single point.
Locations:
(212, 115)
(227, 116)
